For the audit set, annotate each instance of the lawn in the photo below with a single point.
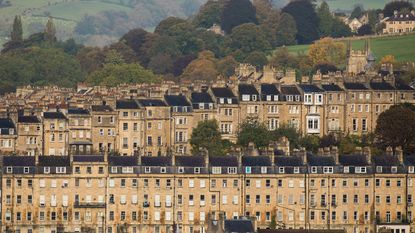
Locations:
(347, 5)
(402, 47)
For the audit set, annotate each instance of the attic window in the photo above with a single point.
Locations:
(216, 170)
(180, 170)
(127, 170)
(248, 170)
(231, 170)
(245, 97)
(281, 170)
(147, 169)
(346, 169)
(114, 170)
(268, 98)
(379, 169)
(313, 169)
(46, 170)
(26, 170)
(296, 170)
(229, 101)
(163, 170)
(411, 169)
(61, 170)
(264, 170)
(9, 169)
(221, 100)
(360, 170)
(394, 169)
(254, 98)
(275, 97)
(327, 169)
(196, 170)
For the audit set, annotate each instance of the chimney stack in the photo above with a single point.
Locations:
(389, 151)
(335, 153)
(303, 154)
(399, 154)
(367, 152)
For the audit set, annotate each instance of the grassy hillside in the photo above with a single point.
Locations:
(347, 5)
(402, 47)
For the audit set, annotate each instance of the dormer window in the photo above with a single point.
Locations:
(9, 169)
(313, 169)
(411, 169)
(232, 170)
(327, 169)
(360, 170)
(46, 170)
(275, 97)
(268, 98)
(114, 170)
(216, 170)
(394, 169)
(296, 170)
(147, 169)
(229, 101)
(210, 106)
(254, 98)
(248, 170)
(11, 131)
(163, 170)
(319, 98)
(196, 170)
(245, 97)
(281, 170)
(378, 169)
(180, 170)
(127, 170)
(308, 98)
(346, 169)
(26, 170)
(221, 100)
(61, 170)
(201, 106)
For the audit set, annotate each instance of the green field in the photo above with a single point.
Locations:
(347, 5)
(402, 47)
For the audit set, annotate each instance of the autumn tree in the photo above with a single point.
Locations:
(135, 39)
(17, 30)
(396, 127)
(282, 58)
(237, 12)
(327, 51)
(226, 66)
(388, 59)
(202, 68)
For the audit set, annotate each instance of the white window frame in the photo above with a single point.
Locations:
(328, 170)
(147, 169)
(232, 170)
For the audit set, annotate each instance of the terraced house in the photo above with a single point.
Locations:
(102, 193)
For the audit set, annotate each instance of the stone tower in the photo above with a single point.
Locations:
(357, 59)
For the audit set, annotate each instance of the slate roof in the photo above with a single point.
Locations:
(309, 88)
(355, 86)
(176, 100)
(190, 161)
(201, 97)
(288, 161)
(331, 87)
(381, 86)
(53, 115)
(122, 161)
(222, 92)
(79, 111)
(353, 160)
(253, 161)
(301, 231)
(239, 226)
(28, 119)
(54, 161)
(289, 90)
(6, 123)
(151, 102)
(101, 108)
(247, 89)
(22, 161)
(269, 89)
(386, 160)
(403, 87)
(88, 158)
(410, 160)
(126, 104)
(315, 160)
(402, 17)
(223, 161)
(160, 161)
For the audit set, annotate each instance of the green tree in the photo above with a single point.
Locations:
(135, 39)
(50, 31)
(289, 132)
(209, 14)
(305, 18)
(325, 20)
(253, 131)
(116, 74)
(114, 57)
(237, 12)
(396, 127)
(226, 66)
(256, 58)
(282, 58)
(357, 12)
(164, 25)
(389, 8)
(286, 30)
(207, 135)
(365, 30)
(247, 38)
(17, 30)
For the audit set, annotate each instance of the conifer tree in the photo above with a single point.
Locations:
(17, 31)
(50, 31)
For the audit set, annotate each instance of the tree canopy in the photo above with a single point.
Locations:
(253, 131)
(399, 6)
(327, 51)
(206, 135)
(237, 12)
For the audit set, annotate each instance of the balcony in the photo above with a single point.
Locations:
(89, 205)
